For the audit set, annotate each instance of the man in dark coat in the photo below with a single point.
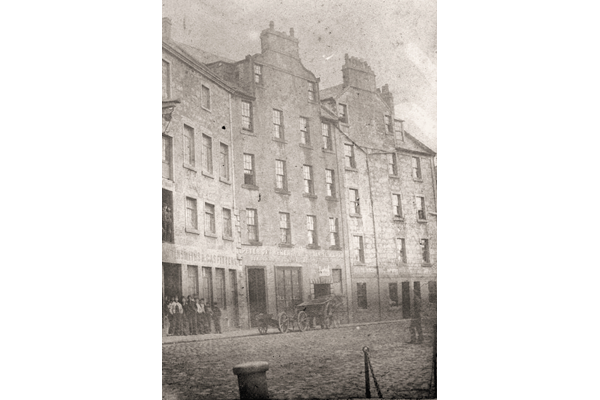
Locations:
(216, 316)
(190, 314)
(416, 331)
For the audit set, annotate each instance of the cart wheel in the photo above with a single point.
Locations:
(263, 329)
(284, 323)
(302, 321)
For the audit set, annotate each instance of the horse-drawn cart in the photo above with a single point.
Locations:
(321, 311)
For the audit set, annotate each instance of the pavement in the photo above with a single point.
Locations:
(315, 364)
(254, 332)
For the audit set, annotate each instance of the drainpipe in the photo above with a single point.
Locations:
(374, 233)
(344, 228)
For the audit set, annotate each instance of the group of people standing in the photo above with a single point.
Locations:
(190, 316)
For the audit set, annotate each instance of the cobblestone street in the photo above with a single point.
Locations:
(322, 364)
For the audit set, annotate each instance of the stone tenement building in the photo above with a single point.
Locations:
(281, 192)
(201, 240)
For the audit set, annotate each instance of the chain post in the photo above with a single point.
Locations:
(367, 383)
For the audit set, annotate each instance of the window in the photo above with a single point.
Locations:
(224, 170)
(191, 213)
(189, 153)
(193, 288)
(311, 224)
(330, 182)
(288, 284)
(361, 295)
(167, 156)
(304, 132)
(308, 179)
(277, 124)
(334, 238)
(344, 113)
(326, 133)
(280, 175)
(349, 156)
(252, 222)
(359, 250)
(432, 286)
(220, 288)
(337, 281)
(392, 164)
(397, 205)
(399, 129)
(389, 125)
(421, 208)
(425, 250)
(207, 154)
(227, 229)
(416, 168)
(209, 219)
(166, 79)
(257, 73)
(247, 115)
(205, 97)
(393, 294)
(401, 247)
(207, 284)
(249, 169)
(311, 91)
(354, 202)
(285, 236)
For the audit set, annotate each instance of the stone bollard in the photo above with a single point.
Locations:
(252, 380)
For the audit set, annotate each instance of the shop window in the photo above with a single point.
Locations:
(288, 282)
(219, 297)
(393, 294)
(207, 285)
(192, 280)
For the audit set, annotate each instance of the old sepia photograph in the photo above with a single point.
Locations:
(299, 199)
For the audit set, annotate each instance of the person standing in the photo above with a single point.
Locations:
(185, 329)
(216, 316)
(416, 331)
(208, 318)
(202, 316)
(190, 315)
(165, 315)
(178, 317)
(172, 310)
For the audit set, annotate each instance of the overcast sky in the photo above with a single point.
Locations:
(396, 37)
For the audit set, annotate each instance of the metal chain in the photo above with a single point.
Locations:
(373, 375)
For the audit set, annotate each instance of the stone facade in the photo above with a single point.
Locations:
(201, 256)
(288, 185)
(367, 122)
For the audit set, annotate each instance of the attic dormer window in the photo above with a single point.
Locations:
(311, 91)
(258, 74)
(389, 124)
(344, 113)
(399, 129)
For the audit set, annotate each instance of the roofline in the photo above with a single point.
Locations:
(428, 150)
(184, 56)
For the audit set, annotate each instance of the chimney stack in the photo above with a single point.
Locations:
(386, 95)
(281, 42)
(357, 72)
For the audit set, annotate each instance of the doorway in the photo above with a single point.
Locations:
(172, 280)
(257, 294)
(406, 299)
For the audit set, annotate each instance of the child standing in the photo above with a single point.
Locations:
(216, 315)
